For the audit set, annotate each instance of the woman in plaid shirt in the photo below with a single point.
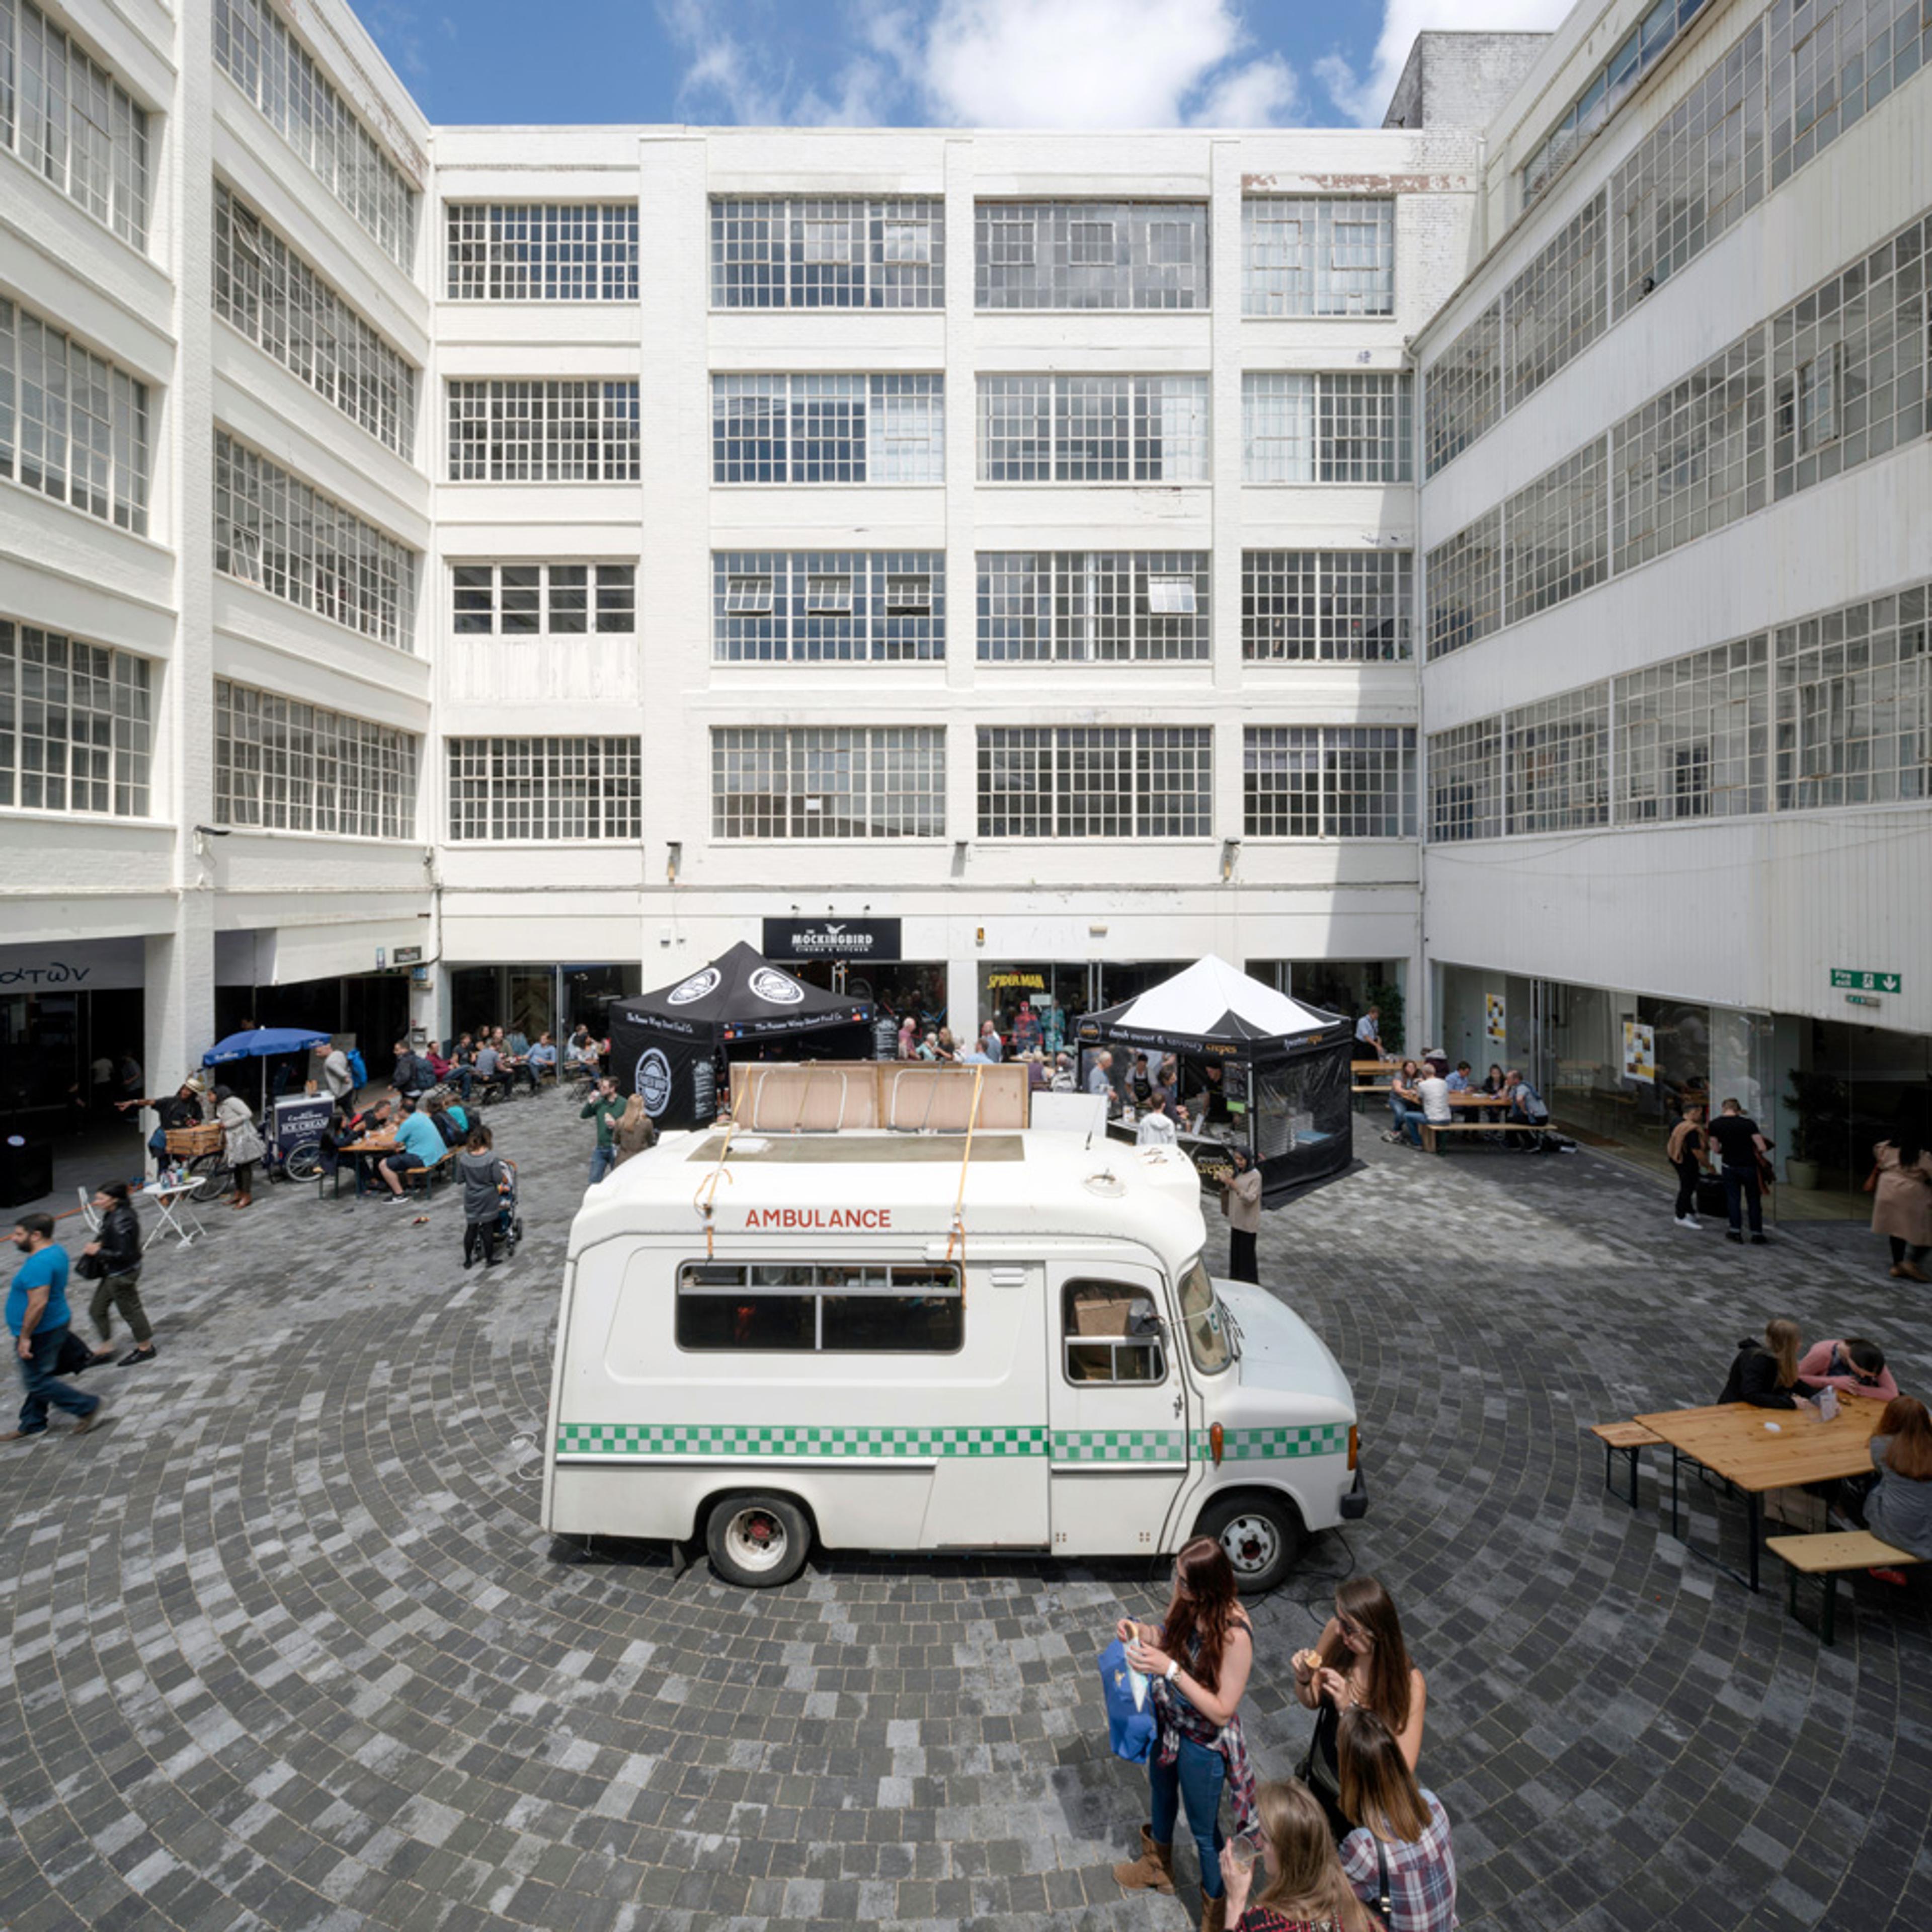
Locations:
(1400, 1860)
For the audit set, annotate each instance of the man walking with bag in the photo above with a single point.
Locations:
(38, 1316)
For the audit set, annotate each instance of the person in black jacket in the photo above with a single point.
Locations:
(1765, 1373)
(119, 1245)
(414, 1076)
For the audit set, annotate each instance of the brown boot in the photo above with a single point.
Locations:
(1213, 1913)
(1907, 1271)
(1152, 1871)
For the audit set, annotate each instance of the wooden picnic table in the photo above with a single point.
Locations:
(361, 1150)
(1730, 1439)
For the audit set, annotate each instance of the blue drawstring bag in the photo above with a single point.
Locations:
(1130, 1726)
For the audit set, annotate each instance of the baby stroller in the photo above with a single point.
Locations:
(509, 1227)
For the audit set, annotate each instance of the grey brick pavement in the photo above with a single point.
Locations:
(283, 1646)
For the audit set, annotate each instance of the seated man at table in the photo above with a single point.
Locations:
(418, 1144)
(540, 1063)
(1432, 1091)
(1854, 1366)
(490, 1071)
(1459, 1081)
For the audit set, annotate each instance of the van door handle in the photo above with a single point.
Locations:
(1177, 1401)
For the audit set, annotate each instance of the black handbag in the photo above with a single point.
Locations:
(91, 1268)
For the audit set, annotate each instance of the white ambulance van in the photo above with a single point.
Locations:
(887, 1341)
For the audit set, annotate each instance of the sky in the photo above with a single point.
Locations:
(918, 63)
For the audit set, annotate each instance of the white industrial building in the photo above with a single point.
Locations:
(458, 575)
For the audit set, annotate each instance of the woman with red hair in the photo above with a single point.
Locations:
(1899, 1509)
(1197, 1660)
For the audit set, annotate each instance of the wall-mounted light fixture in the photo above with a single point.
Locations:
(1230, 850)
(673, 859)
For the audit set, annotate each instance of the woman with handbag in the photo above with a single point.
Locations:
(1360, 1662)
(1900, 1186)
(113, 1262)
(240, 1140)
(1297, 1884)
(1197, 1661)
(1399, 1858)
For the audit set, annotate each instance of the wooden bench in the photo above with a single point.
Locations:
(1829, 1555)
(1501, 1124)
(1624, 1438)
(444, 1169)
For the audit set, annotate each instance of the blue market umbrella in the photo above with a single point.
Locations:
(263, 1043)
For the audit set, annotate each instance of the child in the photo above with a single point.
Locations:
(484, 1180)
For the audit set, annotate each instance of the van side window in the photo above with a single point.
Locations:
(829, 1308)
(1112, 1333)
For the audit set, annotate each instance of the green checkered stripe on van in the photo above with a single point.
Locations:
(1255, 1445)
(638, 1441)
(1120, 1445)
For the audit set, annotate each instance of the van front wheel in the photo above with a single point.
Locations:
(756, 1541)
(1262, 1536)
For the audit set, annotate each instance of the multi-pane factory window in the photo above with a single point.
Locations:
(268, 292)
(1304, 256)
(1466, 585)
(1693, 459)
(1691, 736)
(533, 600)
(828, 254)
(828, 429)
(879, 607)
(1094, 429)
(1113, 606)
(828, 781)
(1689, 180)
(1830, 63)
(283, 767)
(1325, 428)
(1556, 757)
(1090, 255)
(534, 432)
(528, 790)
(274, 530)
(1096, 781)
(1555, 308)
(75, 724)
(1326, 605)
(265, 61)
(1466, 782)
(72, 426)
(1854, 705)
(72, 122)
(1328, 781)
(1463, 390)
(1850, 365)
(543, 251)
(1556, 534)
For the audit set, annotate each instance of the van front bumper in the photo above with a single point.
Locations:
(1355, 1504)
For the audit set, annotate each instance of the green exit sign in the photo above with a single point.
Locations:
(1865, 983)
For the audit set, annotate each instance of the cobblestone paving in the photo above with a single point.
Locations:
(283, 1645)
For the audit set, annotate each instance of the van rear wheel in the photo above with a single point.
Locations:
(756, 1541)
(1262, 1536)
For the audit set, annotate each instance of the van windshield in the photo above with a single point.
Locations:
(1201, 1315)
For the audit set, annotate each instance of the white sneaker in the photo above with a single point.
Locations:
(1689, 1221)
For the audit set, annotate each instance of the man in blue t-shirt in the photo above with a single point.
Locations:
(418, 1144)
(38, 1317)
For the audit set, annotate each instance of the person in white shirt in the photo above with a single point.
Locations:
(1432, 1091)
(1155, 1129)
(1099, 1080)
(336, 1076)
(1368, 1033)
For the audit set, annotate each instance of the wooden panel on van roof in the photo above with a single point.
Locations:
(861, 1149)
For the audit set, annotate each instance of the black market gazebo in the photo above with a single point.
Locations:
(666, 1045)
(1284, 1077)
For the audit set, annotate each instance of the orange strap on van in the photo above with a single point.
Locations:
(710, 1193)
(957, 1232)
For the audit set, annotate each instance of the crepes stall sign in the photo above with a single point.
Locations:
(846, 939)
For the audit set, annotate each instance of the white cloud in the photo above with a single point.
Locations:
(1364, 97)
(985, 63)
(1098, 64)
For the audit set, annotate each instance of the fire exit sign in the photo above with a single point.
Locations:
(1865, 983)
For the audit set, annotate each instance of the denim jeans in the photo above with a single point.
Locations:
(1741, 1187)
(602, 1160)
(43, 1386)
(1407, 1121)
(1194, 1778)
